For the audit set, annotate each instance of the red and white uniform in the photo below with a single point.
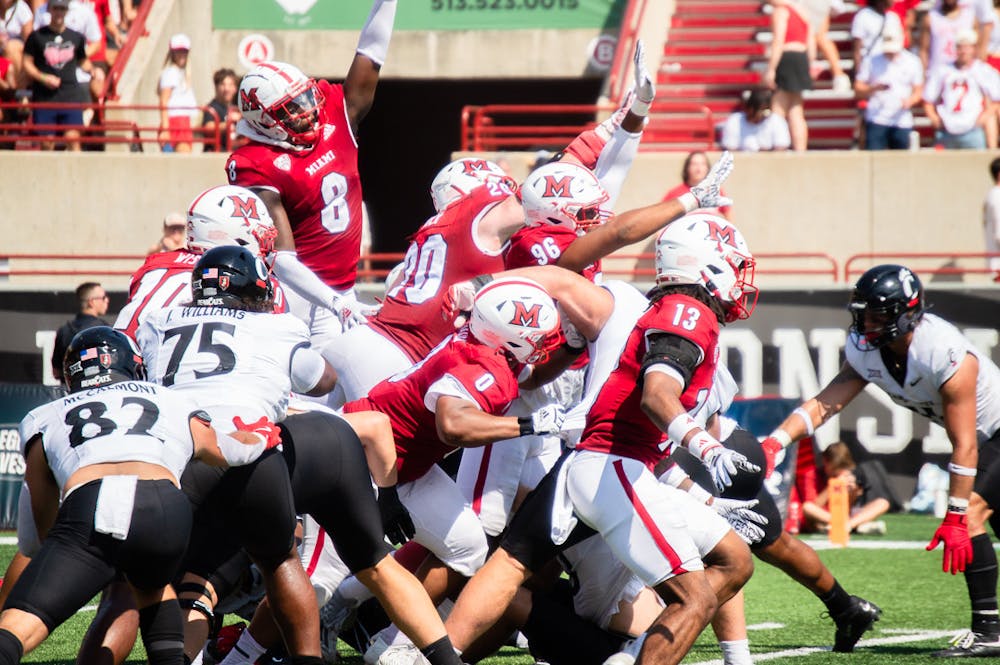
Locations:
(542, 246)
(960, 95)
(409, 324)
(164, 280)
(320, 189)
(467, 370)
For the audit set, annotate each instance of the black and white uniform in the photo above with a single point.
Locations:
(115, 523)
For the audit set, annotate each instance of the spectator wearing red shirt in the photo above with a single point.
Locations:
(793, 50)
(867, 488)
(696, 167)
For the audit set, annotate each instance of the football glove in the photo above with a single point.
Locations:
(547, 420)
(645, 90)
(264, 428)
(724, 463)
(708, 191)
(351, 312)
(396, 520)
(954, 533)
(744, 521)
(771, 448)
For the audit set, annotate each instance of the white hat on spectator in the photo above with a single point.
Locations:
(892, 39)
(967, 36)
(180, 42)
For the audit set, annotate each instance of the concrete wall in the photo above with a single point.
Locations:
(840, 203)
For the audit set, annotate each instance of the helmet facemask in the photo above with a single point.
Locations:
(298, 113)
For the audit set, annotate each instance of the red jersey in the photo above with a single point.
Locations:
(443, 252)
(319, 188)
(542, 246)
(164, 280)
(457, 367)
(616, 423)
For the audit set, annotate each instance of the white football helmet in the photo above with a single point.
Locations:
(705, 249)
(230, 215)
(516, 314)
(564, 194)
(281, 102)
(462, 176)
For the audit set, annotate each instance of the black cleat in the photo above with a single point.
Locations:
(853, 622)
(971, 645)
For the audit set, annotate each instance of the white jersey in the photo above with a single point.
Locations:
(605, 352)
(943, 32)
(902, 73)
(936, 351)
(770, 134)
(960, 95)
(233, 363)
(128, 421)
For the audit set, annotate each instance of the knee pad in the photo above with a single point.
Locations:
(162, 630)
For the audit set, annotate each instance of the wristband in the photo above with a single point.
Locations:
(524, 423)
(782, 437)
(688, 200)
(680, 427)
(957, 505)
(958, 470)
(639, 108)
(806, 418)
(572, 350)
(701, 443)
(699, 493)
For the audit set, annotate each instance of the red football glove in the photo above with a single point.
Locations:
(264, 427)
(771, 447)
(954, 533)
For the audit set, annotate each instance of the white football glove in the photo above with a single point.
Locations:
(574, 339)
(645, 90)
(548, 419)
(744, 521)
(351, 312)
(707, 192)
(724, 463)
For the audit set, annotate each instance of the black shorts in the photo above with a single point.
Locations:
(987, 483)
(246, 506)
(75, 561)
(792, 74)
(331, 482)
(528, 536)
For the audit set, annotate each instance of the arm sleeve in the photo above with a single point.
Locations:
(306, 368)
(671, 354)
(615, 161)
(295, 275)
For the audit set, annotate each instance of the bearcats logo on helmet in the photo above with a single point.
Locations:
(560, 187)
(104, 359)
(244, 207)
(529, 318)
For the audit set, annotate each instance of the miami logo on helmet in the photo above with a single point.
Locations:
(245, 208)
(560, 187)
(249, 100)
(525, 317)
(474, 166)
(721, 234)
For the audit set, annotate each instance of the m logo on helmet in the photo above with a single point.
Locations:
(249, 101)
(474, 166)
(525, 317)
(560, 187)
(245, 208)
(721, 234)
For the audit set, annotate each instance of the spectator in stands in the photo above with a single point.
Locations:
(52, 55)
(869, 26)
(226, 113)
(18, 23)
(938, 30)
(93, 301)
(993, 46)
(84, 16)
(819, 12)
(991, 220)
(174, 234)
(177, 100)
(793, 49)
(868, 491)
(696, 167)
(754, 127)
(960, 98)
(893, 82)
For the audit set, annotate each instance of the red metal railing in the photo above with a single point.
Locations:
(632, 17)
(851, 267)
(130, 131)
(765, 265)
(517, 126)
(135, 31)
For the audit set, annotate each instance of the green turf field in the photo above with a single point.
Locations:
(919, 602)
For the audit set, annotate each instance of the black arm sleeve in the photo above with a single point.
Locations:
(681, 354)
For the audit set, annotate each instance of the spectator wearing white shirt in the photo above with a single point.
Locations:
(177, 100)
(18, 23)
(754, 127)
(892, 82)
(960, 99)
(939, 29)
(985, 22)
(991, 220)
(868, 26)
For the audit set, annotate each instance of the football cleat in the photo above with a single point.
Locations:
(225, 640)
(853, 622)
(400, 654)
(971, 645)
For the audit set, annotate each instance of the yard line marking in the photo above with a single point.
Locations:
(916, 636)
(8, 540)
(87, 608)
(765, 626)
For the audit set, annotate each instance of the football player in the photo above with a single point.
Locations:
(108, 457)
(302, 159)
(925, 364)
(651, 366)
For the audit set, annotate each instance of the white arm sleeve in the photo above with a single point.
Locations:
(614, 162)
(296, 276)
(237, 453)
(373, 42)
(307, 367)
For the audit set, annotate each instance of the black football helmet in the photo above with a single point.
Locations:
(887, 302)
(230, 276)
(100, 356)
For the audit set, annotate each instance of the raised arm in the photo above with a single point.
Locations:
(373, 46)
